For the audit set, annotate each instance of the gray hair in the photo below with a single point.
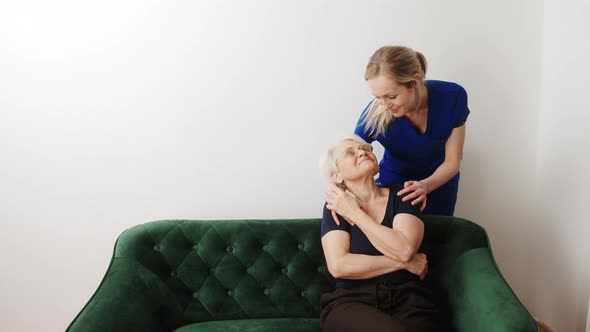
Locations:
(328, 159)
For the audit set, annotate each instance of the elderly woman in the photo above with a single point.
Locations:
(371, 250)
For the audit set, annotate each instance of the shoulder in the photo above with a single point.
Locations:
(399, 206)
(329, 224)
(447, 100)
(444, 87)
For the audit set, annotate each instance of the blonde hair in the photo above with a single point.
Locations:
(328, 159)
(400, 63)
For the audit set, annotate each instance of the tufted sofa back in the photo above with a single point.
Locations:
(231, 269)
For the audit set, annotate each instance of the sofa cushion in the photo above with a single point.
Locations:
(255, 325)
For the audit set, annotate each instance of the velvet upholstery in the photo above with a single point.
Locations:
(267, 275)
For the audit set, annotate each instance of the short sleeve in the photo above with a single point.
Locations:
(407, 207)
(461, 111)
(328, 223)
(360, 126)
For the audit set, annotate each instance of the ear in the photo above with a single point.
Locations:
(418, 79)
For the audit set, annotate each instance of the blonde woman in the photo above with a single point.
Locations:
(421, 125)
(373, 256)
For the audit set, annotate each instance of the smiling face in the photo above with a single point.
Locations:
(354, 160)
(395, 98)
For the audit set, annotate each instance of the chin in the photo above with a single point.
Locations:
(373, 169)
(398, 114)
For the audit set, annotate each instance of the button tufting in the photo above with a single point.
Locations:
(229, 249)
(230, 293)
(212, 270)
(195, 295)
(284, 270)
(173, 273)
(300, 246)
(196, 247)
(266, 292)
(319, 269)
(303, 294)
(157, 247)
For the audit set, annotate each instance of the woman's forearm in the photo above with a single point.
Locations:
(446, 171)
(357, 266)
(389, 241)
(452, 163)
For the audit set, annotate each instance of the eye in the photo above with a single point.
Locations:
(391, 97)
(349, 152)
(367, 147)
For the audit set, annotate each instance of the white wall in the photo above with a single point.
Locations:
(561, 266)
(116, 113)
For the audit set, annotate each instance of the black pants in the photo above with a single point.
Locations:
(382, 307)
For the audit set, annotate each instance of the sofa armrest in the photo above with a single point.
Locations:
(481, 299)
(129, 298)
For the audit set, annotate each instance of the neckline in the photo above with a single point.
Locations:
(414, 130)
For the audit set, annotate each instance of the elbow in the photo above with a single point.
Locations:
(336, 274)
(455, 166)
(407, 254)
(403, 255)
(335, 270)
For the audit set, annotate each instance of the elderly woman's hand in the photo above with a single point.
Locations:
(418, 191)
(342, 202)
(418, 265)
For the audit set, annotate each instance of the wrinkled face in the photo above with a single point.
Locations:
(355, 160)
(397, 99)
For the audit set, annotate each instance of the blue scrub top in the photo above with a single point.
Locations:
(410, 155)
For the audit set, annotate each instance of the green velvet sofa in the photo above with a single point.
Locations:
(267, 275)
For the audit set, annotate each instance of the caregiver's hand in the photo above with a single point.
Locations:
(418, 192)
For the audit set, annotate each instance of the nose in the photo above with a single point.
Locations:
(360, 152)
(386, 104)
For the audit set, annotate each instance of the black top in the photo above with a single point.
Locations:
(360, 244)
